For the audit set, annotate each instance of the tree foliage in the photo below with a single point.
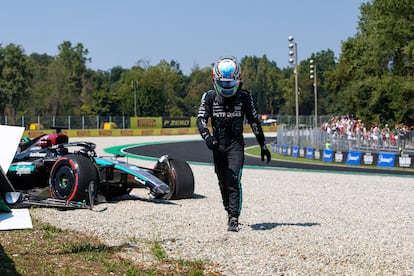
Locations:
(16, 71)
(372, 79)
(374, 76)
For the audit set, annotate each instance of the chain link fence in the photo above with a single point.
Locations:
(319, 139)
(69, 122)
(287, 133)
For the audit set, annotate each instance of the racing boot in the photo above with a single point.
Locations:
(233, 224)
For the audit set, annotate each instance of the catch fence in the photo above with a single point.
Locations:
(319, 139)
(69, 122)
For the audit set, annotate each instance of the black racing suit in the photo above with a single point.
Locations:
(227, 120)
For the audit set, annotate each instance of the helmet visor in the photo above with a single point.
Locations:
(227, 83)
(227, 88)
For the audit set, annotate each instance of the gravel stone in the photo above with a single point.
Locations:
(293, 222)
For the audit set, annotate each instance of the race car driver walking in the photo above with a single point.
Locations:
(228, 105)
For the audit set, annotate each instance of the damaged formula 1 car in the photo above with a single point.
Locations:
(71, 174)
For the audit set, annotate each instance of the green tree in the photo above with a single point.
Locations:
(262, 77)
(39, 92)
(128, 87)
(173, 88)
(74, 59)
(151, 100)
(199, 82)
(288, 91)
(374, 77)
(15, 76)
(324, 63)
(58, 89)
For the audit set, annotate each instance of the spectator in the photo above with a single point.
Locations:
(385, 135)
(402, 136)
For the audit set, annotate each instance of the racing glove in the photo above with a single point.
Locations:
(212, 142)
(265, 152)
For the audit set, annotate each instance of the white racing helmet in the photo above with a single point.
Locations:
(227, 76)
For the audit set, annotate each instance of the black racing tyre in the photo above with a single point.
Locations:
(70, 178)
(180, 180)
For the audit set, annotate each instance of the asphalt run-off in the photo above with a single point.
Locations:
(195, 151)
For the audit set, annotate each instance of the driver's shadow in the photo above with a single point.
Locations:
(271, 225)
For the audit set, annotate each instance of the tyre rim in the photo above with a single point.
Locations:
(62, 183)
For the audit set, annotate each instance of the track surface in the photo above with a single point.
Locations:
(197, 152)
